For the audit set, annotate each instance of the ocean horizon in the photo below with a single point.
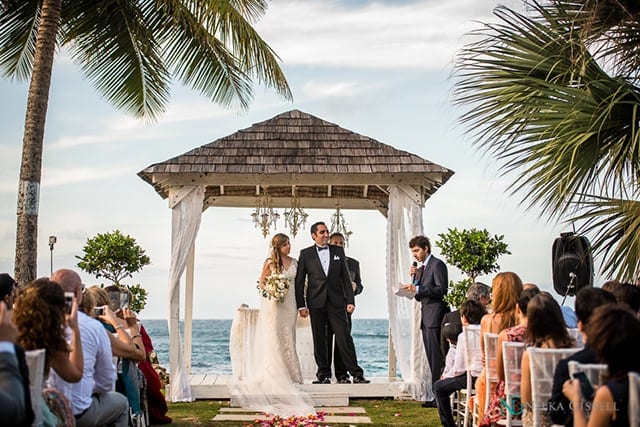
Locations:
(210, 344)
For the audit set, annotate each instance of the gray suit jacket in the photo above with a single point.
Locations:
(12, 403)
(433, 283)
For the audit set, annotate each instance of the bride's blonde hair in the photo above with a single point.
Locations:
(278, 241)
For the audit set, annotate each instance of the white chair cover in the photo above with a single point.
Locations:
(35, 362)
(542, 363)
(490, 356)
(472, 340)
(634, 399)
(512, 360)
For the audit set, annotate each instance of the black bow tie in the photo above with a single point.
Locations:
(322, 248)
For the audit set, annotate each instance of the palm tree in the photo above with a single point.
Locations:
(553, 95)
(130, 51)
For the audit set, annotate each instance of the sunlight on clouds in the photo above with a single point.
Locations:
(317, 89)
(422, 34)
(53, 177)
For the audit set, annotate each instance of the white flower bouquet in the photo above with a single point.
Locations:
(275, 287)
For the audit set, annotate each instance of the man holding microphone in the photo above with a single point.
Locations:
(430, 283)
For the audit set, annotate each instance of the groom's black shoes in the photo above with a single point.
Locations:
(344, 380)
(360, 380)
(322, 381)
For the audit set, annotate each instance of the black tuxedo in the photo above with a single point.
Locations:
(354, 272)
(326, 296)
(433, 282)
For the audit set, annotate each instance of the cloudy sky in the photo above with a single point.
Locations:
(380, 68)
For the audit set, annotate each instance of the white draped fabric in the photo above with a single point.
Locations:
(186, 204)
(404, 221)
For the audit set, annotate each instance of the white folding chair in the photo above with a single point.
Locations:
(35, 363)
(577, 336)
(634, 399)
(512, 360)
(490, 356)
(472, 339)
(595, 372)
(542, 364)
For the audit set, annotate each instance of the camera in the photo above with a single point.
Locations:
(68, 301)
(98, 311)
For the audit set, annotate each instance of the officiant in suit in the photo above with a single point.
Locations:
(431, 282)
(328, 298)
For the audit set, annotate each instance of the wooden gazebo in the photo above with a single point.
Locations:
(293, 154)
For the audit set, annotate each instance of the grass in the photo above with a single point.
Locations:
(383, 412)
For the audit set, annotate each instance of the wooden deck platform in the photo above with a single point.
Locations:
(214, 386)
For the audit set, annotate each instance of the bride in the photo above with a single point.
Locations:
(269, 384)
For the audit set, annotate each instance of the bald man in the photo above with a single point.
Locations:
(92, 399)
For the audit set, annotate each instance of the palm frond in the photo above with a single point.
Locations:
(117, 51)
(541, 104)
(18, 28)
(202, 55)
(616, 224)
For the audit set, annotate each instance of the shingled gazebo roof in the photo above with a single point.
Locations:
(295, 152)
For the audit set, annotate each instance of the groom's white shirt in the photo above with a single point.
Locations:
(324, 258)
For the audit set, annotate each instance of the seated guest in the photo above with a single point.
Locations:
(13, 405)
(478, 292)
(505, 290)
(626, 293)
(156, 402)
(93, 400)
(471, 313)
(587, 300)
(8, 288)
(127, 345)
(545, 329)
(613, 331)
(513, 334)
(41, 315)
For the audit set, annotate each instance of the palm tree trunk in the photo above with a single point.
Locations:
(31, 166)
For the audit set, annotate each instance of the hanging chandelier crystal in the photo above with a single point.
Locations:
(295, 217)
(339, 225)
(264, 216)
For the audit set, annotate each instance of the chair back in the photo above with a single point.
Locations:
(490, 356)
(577, 336)
(35, 362)
(512, 360)
(472, 341)
(634, 399)
(543, 362)
(596, 372)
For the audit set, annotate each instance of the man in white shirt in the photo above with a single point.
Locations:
(471, 313)
(92, 399)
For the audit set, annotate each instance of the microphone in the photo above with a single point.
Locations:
(572, 275)
(413, 276)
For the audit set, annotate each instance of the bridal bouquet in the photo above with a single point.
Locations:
(276, 286)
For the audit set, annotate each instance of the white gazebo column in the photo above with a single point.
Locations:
(186, 203)
(404, 221)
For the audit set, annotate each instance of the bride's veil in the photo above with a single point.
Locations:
(267, 385)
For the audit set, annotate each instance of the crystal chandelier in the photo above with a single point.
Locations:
(339, 225)
(295, 217)
(264, 216)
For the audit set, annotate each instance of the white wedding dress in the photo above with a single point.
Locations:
(269, 383)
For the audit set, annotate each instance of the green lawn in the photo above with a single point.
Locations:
(386, 412)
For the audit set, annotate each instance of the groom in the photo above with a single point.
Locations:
(329, 297)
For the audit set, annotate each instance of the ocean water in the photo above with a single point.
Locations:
(210, 345)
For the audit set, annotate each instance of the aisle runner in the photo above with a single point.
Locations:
(334, 415)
